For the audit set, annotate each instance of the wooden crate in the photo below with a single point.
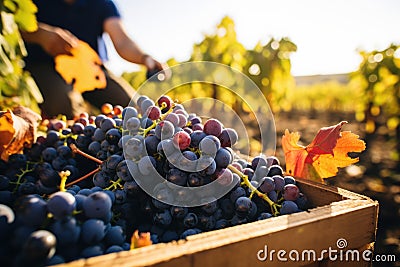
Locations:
(338, 213)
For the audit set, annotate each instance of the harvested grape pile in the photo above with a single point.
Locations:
(78, 191)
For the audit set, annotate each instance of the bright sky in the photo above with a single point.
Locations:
(327, 33)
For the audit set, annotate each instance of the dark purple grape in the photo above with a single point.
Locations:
(223, 158)
(275, 170)
(291, 192)
(113, 136)
(190, 220)
(107, 124)
(61, 204)
(77, 128)
(67, 231)
(279, 182)
(267, 184)
(213, 127)
(243, 206)
(177, 177)
(92, 231)
(288, 207)
(49, 153)
(228, 137)
(40, 246)
(89, 130)
(97, 205)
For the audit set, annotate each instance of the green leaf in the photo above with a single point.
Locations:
(32, 88)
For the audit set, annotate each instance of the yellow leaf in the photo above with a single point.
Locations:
(17, 130)
(82, 69)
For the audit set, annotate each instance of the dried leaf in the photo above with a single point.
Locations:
(326, 153)
(82, 69)
(17, 130)
(140, 240)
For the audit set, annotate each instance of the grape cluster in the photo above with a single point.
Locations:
(79, 191)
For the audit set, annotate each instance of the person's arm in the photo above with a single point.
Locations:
(53, 40)
(126, 47)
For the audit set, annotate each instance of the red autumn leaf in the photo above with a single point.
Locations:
(17, 130)
(82, 69)
(326, 153)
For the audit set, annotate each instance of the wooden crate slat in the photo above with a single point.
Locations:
(343, 214)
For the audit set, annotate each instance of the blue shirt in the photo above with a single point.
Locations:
(84, 19)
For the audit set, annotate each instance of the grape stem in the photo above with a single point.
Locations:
(23, 172)
(274, 206)
(80, 152)
(114, 185)
(64, 176)
(83, 177)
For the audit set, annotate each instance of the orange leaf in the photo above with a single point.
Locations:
(140, 240)
(326, 153)
(82, 69)
(17, 130)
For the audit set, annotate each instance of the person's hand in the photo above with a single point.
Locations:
(154, 67)
(152, 64)
(56, 41)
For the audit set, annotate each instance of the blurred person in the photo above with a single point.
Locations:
(61, 23)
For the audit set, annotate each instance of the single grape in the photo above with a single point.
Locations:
(49, 154)
(209, 145)
(237, 193)
(275, 170)
(61, 204)
(291, 192)
(190, 220)
(132, 124)
(107, 124)
(213, 127)
(153, 113)
(267, 184)
(289, 180)
(113, 136)
(164, 102)
(92, 231)
(67, 231)
(31, 210)
(223, 158)
(228, 137)
(97, 205)
(181, 140)
(129, 112)
(115, 236)
(40, 246)
(264, 215)
(106, 108)
(288, 207)
(279, 182)
(163, 218)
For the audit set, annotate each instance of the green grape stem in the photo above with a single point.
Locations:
(274, 206)
(115, 184)
(20, 175)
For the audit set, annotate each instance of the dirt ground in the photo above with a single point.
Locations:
(376, 175)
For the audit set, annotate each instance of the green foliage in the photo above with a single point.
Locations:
(379, 81)
(16, 85)
(268, 66)
(327, 96)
